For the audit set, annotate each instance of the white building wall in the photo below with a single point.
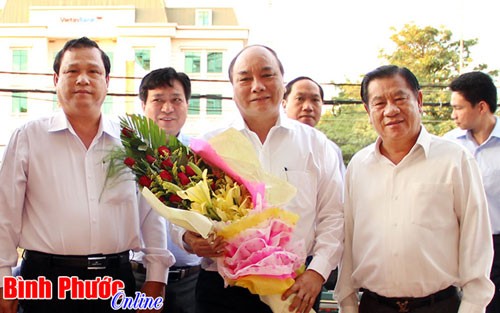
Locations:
(115, 30)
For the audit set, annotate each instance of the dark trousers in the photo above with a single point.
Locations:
(179, 294)
(33, 270)
(494, 306)
(372, 305)
(212, 297)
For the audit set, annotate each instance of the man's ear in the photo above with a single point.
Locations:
(283, 103)
(483, 107)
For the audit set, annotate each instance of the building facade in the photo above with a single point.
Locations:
(139, 36)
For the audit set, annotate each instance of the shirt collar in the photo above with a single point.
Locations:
(283, 121)
(496, 129)
(459, 133)
(423, 140)
(60, 122)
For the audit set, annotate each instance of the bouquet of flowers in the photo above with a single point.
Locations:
(218, 187)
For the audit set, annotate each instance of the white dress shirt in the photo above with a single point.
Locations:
(305, 157)
(54, 198)
(417, 227)
(487, 156)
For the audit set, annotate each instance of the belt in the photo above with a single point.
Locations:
(408, 304)
(90, 262)
(174, 273)
(178, 273)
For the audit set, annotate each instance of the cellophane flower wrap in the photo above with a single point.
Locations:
(219, 183)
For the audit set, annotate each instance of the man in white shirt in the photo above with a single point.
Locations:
(292, 151)
(416, 220)
(474, 102)
(55, 202)
(303, 101)
(164, 95)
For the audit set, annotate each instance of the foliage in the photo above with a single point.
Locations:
(433, 56)
(350, 128)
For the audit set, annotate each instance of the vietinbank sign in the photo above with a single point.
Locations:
(81, 19)
(82, 16)
(77, 289)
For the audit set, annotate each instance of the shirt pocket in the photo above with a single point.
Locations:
(432, 206)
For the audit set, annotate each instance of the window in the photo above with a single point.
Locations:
(194, 105)
(110, 56)
(19, 60)
(192, 62)
(203, 17)
(143, 58)
(19, 63)
(214, 62)
(107, 105)
(19, 102)
(214, 106)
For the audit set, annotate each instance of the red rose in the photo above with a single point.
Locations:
(127, 132)
(163, 151)
(183, 178)
(189, 171)
(167, 163)
(165, 175)
(129, 161)
(145, 181)
(151, 159)
(174, 198)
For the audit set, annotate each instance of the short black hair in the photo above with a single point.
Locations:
(164, 77)
(388, 71)
(289, 86)
(476, 87)
(231, 65)
(78, 43)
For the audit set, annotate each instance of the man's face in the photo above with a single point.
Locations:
(394, 108)
(464, 114)
(257, 83)
(167, 106)
(304, 102)
(81, 83)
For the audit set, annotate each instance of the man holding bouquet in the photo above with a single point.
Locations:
(164, 95)
(292, 151)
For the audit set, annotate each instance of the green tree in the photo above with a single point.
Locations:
(433, 56)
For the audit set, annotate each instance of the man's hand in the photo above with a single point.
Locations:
(153, 289)
(7, 306)
(306, 288)
(211, 247)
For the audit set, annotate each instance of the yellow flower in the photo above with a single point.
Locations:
(199, 195)
(230, 201)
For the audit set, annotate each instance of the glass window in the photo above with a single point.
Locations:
(194, 105)
(107, 105)
(214, 62)
(203, 17)
(143, 58)
(192, 62)
(111, 56)
(19, 102)
(19, 60)
(214, 106)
